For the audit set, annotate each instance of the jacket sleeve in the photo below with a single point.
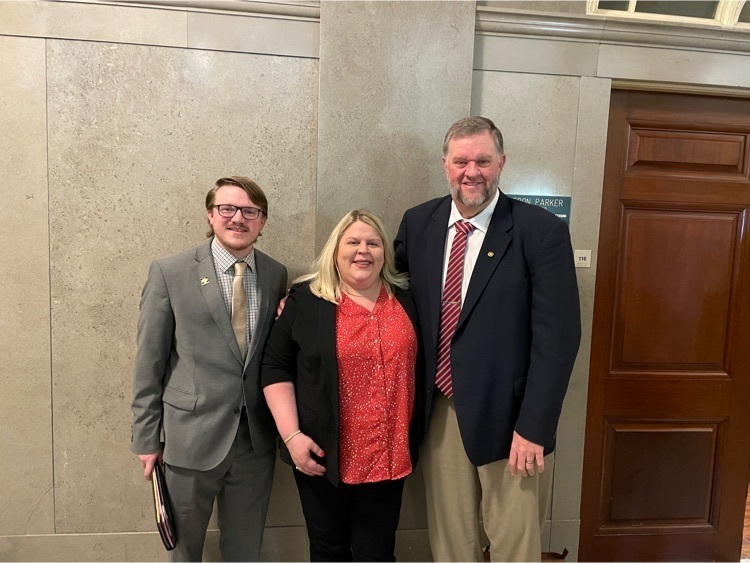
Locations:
(154, 346)
(555, 334)
(399, 247)
(280, 355)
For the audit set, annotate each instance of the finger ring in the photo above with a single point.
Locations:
(529, 463)
(296, 467)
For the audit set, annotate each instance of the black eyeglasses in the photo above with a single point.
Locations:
(228, 211)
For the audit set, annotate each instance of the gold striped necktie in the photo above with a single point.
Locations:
(239, 306)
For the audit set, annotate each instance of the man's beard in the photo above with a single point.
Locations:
(477, 201)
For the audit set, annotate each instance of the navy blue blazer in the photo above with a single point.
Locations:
(519, 330)
(302, 349)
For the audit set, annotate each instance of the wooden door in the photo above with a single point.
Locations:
(667, 445)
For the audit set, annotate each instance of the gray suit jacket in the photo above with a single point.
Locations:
(189, 374)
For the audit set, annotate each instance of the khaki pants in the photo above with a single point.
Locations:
(512, 508)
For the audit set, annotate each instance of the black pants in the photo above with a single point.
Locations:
(350, 522)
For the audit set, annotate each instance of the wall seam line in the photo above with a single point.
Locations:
(49, 281)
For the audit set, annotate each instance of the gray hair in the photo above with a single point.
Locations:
(470, 126)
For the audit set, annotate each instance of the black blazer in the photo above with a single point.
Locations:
(302, 349)
(519, 330)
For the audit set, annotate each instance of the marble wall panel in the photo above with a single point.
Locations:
(588, 178)
(546, 532)
(25, 401)
(83, 547)
(535, 55)
(94, 22)
(564, 535)
(295, 38)
(412, 545)
(137, 135)
(394, 76)
(674, 65)
(537, 115)
(287, 543)
(279, 544)
(556, 6)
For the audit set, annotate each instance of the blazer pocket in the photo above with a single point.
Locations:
(179, 399)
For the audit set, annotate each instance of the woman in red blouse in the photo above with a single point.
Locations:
(339, 375)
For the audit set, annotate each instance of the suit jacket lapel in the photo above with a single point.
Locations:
(407, 303)
(496, 242)
(435, 254)
(264, 282)
(204, 270)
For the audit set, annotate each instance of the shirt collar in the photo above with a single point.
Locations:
(224, 259)
(480, 221)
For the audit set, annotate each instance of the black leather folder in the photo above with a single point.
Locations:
(164, 522)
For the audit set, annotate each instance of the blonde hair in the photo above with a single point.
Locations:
(324, 278)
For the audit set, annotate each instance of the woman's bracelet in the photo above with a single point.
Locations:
(292, 435)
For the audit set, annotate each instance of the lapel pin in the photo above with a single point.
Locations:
(204, 281)
(490, 254)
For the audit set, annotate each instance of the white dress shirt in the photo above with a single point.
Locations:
(481, 223)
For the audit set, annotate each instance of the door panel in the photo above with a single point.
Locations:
(657, 495)
(659, 290)
(661, 152)
(666, 454)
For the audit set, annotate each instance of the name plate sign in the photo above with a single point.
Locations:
(559, 205)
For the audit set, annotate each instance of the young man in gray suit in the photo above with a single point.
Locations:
(197, 402)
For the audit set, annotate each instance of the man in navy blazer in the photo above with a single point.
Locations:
(492, 434)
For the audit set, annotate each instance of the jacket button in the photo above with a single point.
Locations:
(237, 411)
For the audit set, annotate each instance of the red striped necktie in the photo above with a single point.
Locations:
(451, 307)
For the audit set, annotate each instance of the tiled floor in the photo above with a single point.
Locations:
(746, 531)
